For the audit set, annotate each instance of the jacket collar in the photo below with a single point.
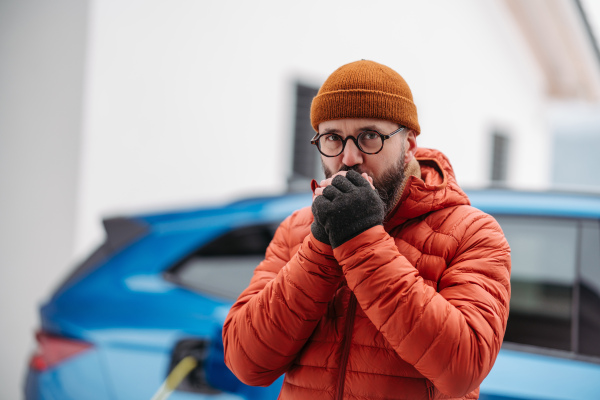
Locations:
(433, 189)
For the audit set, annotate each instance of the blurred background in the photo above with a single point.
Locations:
(109, 107)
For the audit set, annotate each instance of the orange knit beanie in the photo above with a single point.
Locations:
(365, 89)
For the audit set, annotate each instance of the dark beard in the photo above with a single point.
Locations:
(388, 185)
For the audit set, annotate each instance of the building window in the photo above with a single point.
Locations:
(305, 158)
(499, 157)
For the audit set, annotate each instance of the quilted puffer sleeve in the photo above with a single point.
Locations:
(453, 335)
(273, 318)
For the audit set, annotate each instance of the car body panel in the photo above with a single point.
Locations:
(523, 375)
(80, 377)
(557, 204)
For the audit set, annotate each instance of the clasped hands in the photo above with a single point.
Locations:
(344, 206)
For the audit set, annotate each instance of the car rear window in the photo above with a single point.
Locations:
(224, 266)
(221, 275)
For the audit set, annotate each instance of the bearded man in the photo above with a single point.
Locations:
(391, 286)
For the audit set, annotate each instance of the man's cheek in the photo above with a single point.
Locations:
(326, 170)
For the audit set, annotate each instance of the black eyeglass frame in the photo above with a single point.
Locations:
(315, 140)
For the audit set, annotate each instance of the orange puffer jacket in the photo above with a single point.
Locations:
(414, 309)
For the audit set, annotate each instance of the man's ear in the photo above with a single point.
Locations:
(410, 146)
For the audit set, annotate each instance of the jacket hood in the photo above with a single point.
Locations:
(434, 190)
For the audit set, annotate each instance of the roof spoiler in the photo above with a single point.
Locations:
(121, 231)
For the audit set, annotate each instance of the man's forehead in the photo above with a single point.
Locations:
(354, 124)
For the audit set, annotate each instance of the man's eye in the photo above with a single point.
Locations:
(369, 135)
(333, 138)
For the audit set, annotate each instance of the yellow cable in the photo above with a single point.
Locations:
(178, 374)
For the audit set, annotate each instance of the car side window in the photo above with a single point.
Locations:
(224, 266)
(544, 259)
(555, 280)
(589, 290)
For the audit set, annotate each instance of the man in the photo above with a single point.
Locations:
(391, 286)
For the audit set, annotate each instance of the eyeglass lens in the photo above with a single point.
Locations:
(333, 144)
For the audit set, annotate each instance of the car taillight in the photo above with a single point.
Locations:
(52, 350)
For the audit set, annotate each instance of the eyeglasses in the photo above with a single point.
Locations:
(369, 142)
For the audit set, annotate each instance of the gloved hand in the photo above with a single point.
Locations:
(347, 207)
(319, 232)
(316, 228)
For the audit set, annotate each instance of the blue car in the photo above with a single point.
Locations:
(160, 286)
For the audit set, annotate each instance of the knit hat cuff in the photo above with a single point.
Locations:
(361, 103)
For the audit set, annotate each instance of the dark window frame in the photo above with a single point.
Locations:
(592, 226)
(305, 158)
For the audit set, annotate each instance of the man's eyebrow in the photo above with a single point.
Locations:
(369, 128)
(330, 130)
(361, 129)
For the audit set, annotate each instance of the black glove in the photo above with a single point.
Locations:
(347, 207)
(319, 232)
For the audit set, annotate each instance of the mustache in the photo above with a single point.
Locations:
(355, 168)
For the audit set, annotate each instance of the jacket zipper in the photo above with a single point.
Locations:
(430, 390)
(347, 342)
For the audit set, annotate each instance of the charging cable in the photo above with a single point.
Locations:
(178, 374)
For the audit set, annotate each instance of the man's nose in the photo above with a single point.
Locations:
(352, 155)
